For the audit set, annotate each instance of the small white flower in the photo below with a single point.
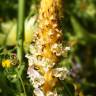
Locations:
(50, 32)
(35, 77)
(31, 60)
(67, 48)
(60, 73)
(32, 49)
(45, 63)
(54, 46)
(52, 94)
(58, 35)
(57, 49)
(38, 92)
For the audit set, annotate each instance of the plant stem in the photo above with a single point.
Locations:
(20, 78)
(20, 30)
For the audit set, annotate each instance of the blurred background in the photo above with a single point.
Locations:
(79, 28)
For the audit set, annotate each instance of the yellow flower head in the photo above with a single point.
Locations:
(6, 63)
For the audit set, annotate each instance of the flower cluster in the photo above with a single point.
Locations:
(45, 51)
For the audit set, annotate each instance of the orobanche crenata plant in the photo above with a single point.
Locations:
(46, 50)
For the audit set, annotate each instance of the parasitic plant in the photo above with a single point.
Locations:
(46, 50)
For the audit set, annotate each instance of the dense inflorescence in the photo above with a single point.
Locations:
(46, 50)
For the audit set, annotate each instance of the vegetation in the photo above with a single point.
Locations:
(31, 21)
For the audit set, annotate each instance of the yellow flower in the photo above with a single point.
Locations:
(6, 63)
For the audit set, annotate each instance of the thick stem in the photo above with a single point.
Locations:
(20, 30)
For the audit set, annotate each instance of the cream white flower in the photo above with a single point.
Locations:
(38, 92)
(32, 49)
(35, 77)
(57, 49)
(67, 48)
(31, 60)
(36, 49)
(52, 94)
(60, 73)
